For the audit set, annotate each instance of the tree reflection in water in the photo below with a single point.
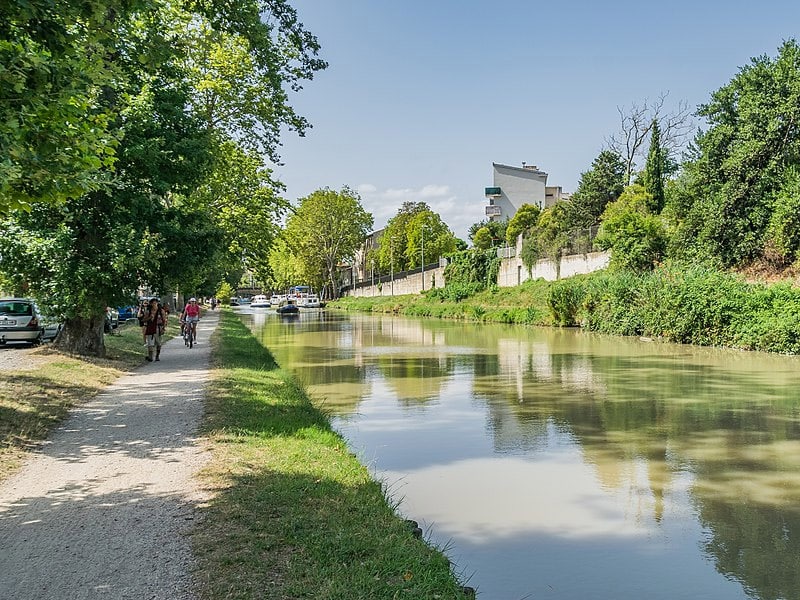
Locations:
(644, 416)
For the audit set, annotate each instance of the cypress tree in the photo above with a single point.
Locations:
(654, 170)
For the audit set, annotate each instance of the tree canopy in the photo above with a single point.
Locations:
(326, 228)
(139, 122)
(741, 168)
(598, 186)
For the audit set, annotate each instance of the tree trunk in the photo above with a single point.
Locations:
(83, 336)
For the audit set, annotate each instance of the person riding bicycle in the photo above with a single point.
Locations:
(191, 315)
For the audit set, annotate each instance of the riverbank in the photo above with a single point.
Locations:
(679, 303)
(294, 514)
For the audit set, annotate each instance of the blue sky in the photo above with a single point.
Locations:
(422, 96)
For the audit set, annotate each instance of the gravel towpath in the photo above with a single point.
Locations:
(103, 508)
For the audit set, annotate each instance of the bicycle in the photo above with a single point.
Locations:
(188, 337)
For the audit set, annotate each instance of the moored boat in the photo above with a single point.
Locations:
(260, 301)
(310, 301)
(290, 308)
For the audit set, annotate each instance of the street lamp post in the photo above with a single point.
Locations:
(423, 258)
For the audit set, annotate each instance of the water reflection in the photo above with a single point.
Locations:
(560, 464)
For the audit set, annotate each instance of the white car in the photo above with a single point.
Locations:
(21, 321)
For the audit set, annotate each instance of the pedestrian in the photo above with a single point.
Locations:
(213, 302)
(155, 320)
(140, 315)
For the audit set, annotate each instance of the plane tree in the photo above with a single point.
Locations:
(145, 221)
(325, 229)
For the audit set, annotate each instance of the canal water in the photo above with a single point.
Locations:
(565, 465)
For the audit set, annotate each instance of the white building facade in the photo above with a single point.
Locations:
(515, 186)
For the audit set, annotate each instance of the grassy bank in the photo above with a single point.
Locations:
(37, 397)
(689, 304)
(294, 514)
(524, 304)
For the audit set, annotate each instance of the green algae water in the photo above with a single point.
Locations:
(564, 465)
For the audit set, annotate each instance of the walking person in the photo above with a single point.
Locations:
(155, 320)
(140, 315)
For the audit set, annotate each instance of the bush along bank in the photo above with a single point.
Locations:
(684, 304)
(294, 514)
(689, 304)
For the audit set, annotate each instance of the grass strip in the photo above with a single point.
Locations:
(294, 514)
(525, 304)
(36, 398)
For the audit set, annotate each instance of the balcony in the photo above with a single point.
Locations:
(493, 211)
(493, 192)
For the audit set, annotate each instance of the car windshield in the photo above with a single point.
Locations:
(16, 309)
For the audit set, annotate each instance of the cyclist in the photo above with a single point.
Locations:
(191, 315)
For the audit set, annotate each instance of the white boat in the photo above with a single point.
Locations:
(260, 301)
(309, 301)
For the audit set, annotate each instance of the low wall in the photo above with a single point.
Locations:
(513, 272)
(411, 284)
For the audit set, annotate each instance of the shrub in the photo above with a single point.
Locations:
(565, 299)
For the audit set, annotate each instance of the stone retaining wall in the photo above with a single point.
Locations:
(512, 272)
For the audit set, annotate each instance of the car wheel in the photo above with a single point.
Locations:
(39, 339)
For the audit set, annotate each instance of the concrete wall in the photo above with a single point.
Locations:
(407, 285)
(513, 272)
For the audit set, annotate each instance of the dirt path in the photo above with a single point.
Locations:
(101, 511)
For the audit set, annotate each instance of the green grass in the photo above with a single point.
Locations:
(294, 513)
(523, 304)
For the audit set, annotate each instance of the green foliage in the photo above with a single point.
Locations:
(742, 160)
(224, 293)
(565, 299)
(392, 252)
(654, 170)
(610, 303)
(429, 238)
(58, 135)
(637, 238)
(526, 217)
(239, 195)
(472, 270)
(599, 186)
(784, 225)
(128, 109)
(482, 239)
(497, 229)
(548, 238)
(325, 229)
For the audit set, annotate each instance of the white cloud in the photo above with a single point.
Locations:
(384, 204)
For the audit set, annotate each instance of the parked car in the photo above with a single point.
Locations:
(126, 313)
(22, 321)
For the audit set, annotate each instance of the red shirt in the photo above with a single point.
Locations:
(191, 310)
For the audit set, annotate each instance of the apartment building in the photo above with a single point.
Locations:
(514, 186)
